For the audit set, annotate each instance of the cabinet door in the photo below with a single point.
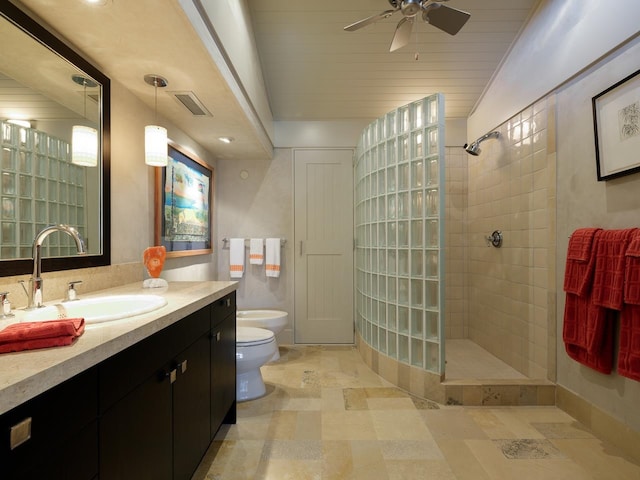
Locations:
(191, 408)
(136, 433)
(63, 439)
(223, 373)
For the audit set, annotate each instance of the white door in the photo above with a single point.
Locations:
(324, 246)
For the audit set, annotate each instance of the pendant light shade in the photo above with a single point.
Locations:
(155, 146)
(84, 140)
(84, 146)
(155, 137)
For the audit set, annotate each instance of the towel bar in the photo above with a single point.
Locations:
(225, 242)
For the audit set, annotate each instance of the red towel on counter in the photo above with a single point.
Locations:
(588, 328)
(629, 354)
(33, 335)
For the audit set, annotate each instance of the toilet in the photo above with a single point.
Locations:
(273, 320)
(254, 348)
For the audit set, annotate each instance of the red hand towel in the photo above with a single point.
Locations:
(578, 272)
(33, 335)
(632, 271)
(582, 322)
(608, 278)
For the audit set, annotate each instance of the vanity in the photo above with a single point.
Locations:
(139, 397)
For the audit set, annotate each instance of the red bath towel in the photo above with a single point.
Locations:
(629, 353)
(588, 328)
(33, 335)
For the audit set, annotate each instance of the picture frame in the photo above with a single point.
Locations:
(184, 204)
(616, 120)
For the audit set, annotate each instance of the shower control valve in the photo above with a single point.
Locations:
(494, 239)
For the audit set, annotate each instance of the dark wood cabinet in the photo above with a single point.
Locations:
(135, 433)
(149, 411)
(191, 408)
(59, 433)
(158, 394)
(223, 373)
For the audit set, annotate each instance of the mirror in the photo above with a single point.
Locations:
(48, 84)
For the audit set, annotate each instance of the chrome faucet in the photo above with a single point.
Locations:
(35, 293)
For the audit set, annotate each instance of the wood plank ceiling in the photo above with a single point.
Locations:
(316, 71)
(312, 68)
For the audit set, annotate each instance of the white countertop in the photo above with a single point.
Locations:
(26, 374)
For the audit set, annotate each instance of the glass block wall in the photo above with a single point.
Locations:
(40, 187)
(399, 231)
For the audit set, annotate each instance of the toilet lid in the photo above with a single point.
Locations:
(247, 336)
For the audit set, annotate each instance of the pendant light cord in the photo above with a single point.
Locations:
(155, 90)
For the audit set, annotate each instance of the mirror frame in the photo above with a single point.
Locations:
(41, 34)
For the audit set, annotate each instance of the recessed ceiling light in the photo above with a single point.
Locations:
(226, 139)
(98, 3)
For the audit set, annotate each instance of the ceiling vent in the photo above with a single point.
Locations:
(192, 103)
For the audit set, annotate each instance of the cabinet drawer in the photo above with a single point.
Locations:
(123, 372)
(222, 308)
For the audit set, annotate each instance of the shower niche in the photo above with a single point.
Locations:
(399, 201)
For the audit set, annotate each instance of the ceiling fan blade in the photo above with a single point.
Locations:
(402, 35)
(447, 19)
(369, 20)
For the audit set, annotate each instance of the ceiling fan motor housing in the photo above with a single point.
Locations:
(410, 8)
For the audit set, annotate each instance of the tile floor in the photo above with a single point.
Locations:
(326, 415)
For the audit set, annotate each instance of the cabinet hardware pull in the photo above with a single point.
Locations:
(227, 302)
(183, 366)
(20, 433)
(171, 375)
(217, 336)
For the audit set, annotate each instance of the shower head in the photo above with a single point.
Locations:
(474, 147)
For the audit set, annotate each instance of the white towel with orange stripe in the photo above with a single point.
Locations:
(236, 257)
(256, 251)
(272, 251)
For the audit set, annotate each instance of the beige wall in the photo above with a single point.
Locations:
(259, 205)
(132, 187)
(585, 202)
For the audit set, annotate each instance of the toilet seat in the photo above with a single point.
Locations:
(252, 336)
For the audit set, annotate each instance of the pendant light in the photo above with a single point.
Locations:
(84, 139)
(155, 136)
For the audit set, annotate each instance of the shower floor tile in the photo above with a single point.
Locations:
(467, 360)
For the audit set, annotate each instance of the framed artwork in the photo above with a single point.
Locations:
(183, 204)
(616, 118)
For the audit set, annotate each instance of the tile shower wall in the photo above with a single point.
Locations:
(455, 243)
(511, 187)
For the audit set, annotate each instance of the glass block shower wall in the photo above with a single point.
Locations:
(40, 187)
(399, 250)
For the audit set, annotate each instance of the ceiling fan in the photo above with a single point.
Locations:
(433, 12)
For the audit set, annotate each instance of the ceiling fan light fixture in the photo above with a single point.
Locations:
(410, 8)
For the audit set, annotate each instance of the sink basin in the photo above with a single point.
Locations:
(98, 309)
